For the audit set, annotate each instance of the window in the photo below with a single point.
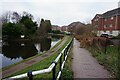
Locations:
(96, 19)
(110, 25)
(96, 25)
(105, 19)
(111, 18)
(104, 26)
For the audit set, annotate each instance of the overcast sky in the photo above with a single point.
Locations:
(60, 12)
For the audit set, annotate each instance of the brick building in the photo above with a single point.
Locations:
(64, 28)
(56, 27)
(108, 22)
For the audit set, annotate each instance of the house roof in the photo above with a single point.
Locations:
(97, 16)
(107, 14)
(111, 13)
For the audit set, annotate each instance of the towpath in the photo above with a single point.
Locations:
(85, 66)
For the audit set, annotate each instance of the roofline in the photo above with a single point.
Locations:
(107, 12)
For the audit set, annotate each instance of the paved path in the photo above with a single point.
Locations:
(84, 65)
(30, 62)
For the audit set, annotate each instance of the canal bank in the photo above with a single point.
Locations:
(34, 60)
(16, 51)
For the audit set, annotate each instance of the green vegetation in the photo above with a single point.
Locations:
(11, 29)
(116, 37)
(24, 26)
(44, 28)
(44, 64)
(14, 27)
(96, 45)
(57, 32)
(30, 27)
(67, 73)
(109, 60)
(0, 31)
(48, 26)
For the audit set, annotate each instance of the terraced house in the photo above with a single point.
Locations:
(108, 22)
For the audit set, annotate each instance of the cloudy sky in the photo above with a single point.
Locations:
(60, 12)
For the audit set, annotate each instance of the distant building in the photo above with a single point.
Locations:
(70, 28)
(55, 27)
(108, 22)
(64, 28)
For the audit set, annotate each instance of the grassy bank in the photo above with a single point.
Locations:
(67, 73)
(109, 60)
(43, 64)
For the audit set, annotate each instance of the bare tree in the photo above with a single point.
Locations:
(5, 17)
(84, 29)
(15, 17)
(28, 14)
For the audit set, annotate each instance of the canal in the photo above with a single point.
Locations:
(15, 51)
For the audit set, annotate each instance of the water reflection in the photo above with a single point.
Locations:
(43, 44)
(19, 50)
(25, 49)
(16, 50)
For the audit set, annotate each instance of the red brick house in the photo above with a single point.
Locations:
(108, 22)
(64, 28)
(56, 27)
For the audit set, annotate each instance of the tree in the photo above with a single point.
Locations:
(5, 17)
(7, 28)
(27, 14)
(85, 29)
(80, 30)
(12, 30)
(29, 25)
(15, 17)
(0, 29)
(44, 28)
(41, 29)
(22, 26)
(20, 29)
(48, 26)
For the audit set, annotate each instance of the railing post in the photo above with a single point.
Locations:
(67, 49)
(30, 76)
(60, 65)
(64, 53)
(60, 61)
(54, 71)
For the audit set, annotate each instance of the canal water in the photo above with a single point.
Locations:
(15, 51)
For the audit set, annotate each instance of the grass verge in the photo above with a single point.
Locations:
(67, 73)
(109, 60)
(43, 64)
